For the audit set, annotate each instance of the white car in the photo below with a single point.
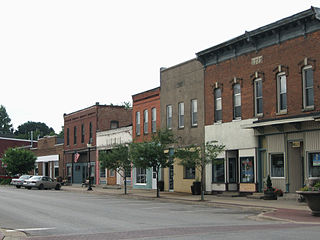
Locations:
(18, 182)
(41, 182)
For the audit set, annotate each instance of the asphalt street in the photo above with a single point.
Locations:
(50, 214)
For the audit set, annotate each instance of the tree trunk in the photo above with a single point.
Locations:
(202, 180)
(125, 184)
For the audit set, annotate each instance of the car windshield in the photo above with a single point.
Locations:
(25, 177)
(35, 178)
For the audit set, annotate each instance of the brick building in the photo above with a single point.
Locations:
(262, 101)
(146, 121)
(50, 159)
(11, 142)
(80, 129)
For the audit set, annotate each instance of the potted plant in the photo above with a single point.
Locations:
(269, 192)
(196, 187)
(311, 194)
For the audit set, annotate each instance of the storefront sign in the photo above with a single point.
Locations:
(316, 160)
(247, 187)
(295, 144)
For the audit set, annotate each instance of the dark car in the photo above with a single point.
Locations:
(18, 182)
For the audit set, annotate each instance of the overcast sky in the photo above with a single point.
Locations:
(58, 57)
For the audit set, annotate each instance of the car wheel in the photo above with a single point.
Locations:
(58, 187)
(29, 188)
(41, 187)
(17, 186)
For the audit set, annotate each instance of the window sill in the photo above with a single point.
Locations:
(180, 128)
(259, 115)
(141, 184)
(280, 178)
(236, 120)
(194, 126)
(217, 123)
(282, 113)
(306, 109)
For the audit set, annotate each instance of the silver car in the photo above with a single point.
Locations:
(41, 182)
(19, 181)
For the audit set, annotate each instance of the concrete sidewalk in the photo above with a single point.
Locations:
(286, 208)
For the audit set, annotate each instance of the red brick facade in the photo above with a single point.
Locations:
(145, 101)
(289, 54)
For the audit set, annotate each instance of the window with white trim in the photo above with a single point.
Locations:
(314, 164)
(141, 175)
(181, 115)
(194, 112)
(237, 101)
(137, 123)
(154, 120)
(307, 77)
(145, 121)
(169, 116)
(258, 97)
(281, 92)
(217, 105)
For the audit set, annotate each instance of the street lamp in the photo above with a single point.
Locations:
(89, 167)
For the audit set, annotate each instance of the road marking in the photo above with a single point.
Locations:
(29, 229)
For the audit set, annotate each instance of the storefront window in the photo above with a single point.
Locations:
(314, 164)
(247, 173)
(218, 171)
(277, 165)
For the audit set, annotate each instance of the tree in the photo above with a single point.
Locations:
(18, 161)
(61, 134)
(5, 125)
(198, 157)
(38, 129)
(117, 159)
(153, 154)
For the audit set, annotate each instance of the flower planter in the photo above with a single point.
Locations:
(270, 196)
(313, 201)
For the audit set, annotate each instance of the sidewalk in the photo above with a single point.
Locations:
(286, 209)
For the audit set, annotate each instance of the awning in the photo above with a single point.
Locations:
(280, 122)
(49, 158)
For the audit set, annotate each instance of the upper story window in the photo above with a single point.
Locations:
(281, 92)
(114, 124)
(169, 116)
(258, 101)
(194, 112)
(217, 105)
(90, 132)
(153, 120)
(137, 123)
(68, 136)
(307, 78)
(237, 101)
(75, 135)
(82, 133)
(145, 121)
(181, 114)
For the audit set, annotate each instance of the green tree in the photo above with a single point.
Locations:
(153, 154)
(19, 161)
(117, 159)
(38, 129)
(61, 134)
(198, 157)
(5, 121)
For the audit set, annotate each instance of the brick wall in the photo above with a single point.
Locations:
(290, 54)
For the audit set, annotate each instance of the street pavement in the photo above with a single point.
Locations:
(286, 208)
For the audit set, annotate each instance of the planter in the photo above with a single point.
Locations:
(196, 188)
(270, 196)
(313, 201)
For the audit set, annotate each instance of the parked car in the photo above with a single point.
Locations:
(41, 182)
(18, 182)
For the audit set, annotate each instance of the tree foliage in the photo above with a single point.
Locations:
(18, 161)
(198, 157)
(117, 159)
(5, 121)
(154, 154)
(39, 129)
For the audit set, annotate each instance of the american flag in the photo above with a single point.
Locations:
(76, 157)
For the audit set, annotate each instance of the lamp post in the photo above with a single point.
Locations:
(89, 168)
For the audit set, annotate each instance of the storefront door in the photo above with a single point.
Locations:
(295, 164)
